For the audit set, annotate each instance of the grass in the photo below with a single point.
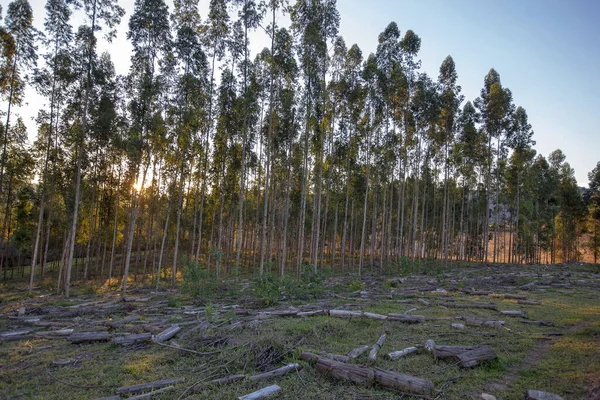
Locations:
(529, 357)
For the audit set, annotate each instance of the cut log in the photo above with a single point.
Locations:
(410, 319)
(21, 312)
(357, 352)
(336, 357)
(539, 395)
(424, 302)
(347, 372)
(476, 356)
(538, 323)
(261, 394)
(394, 355)
(368, 376)
(277, 372)
(528, 302)
(403, 383)
(167, 334)
(58, 333)
(344, 313)
(450, 351)
(376, 347)
(304, 314)
(457, 326)
(19, 332)
(489, 306)
(87, 337)
(375, 316)
(226, 379)
(152, 393)
(474, 321)
(507, 296)
(128, 340)
(514, 313)
(149, 385)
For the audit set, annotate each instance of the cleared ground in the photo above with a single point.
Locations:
(242, 327)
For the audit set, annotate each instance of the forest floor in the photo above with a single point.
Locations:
(248, 328)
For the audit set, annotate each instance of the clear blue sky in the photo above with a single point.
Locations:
(546, 51)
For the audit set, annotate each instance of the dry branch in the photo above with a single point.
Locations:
(539, 395)
(261, 394)
(376, 347)
(357, 352)
(276, 372)
(394, 355)
(149, 385)
(167, 334)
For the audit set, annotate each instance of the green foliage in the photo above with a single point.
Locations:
(355, 286)
(198, 281)
(271, 289)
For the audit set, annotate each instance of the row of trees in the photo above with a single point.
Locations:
(307, 153)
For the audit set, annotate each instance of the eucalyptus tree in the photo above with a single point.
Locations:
(424, 110)
(250, 14)
(314, 22)
(450, 100)
(370, 126)
(191, 93)
(352, 104)
(216, 31)
(151, 40)
(495, 106)
(469, 151)
(59, 35)
(594, 210)
(19, 25)
(99, 14)
(520, 140)
(285, 125)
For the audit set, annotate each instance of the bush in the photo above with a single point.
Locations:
(270, 289)
(198, 281)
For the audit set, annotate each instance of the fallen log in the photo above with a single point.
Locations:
(474, 321)
(404, 383)
(514, 313)
(344, 313)
(149, 385)
(336, 357)
(128, 340)
(87, 337)
(507, 296)
(261, 394)
(538, 323)
(410, 319)
(394, 355)
(476, 356)
(276, 372)
(368, 376)
(450, 351)
(489, 306)
(357, 352)
(539, 395)
(528, 302)
(376, 347)
(167, 334)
